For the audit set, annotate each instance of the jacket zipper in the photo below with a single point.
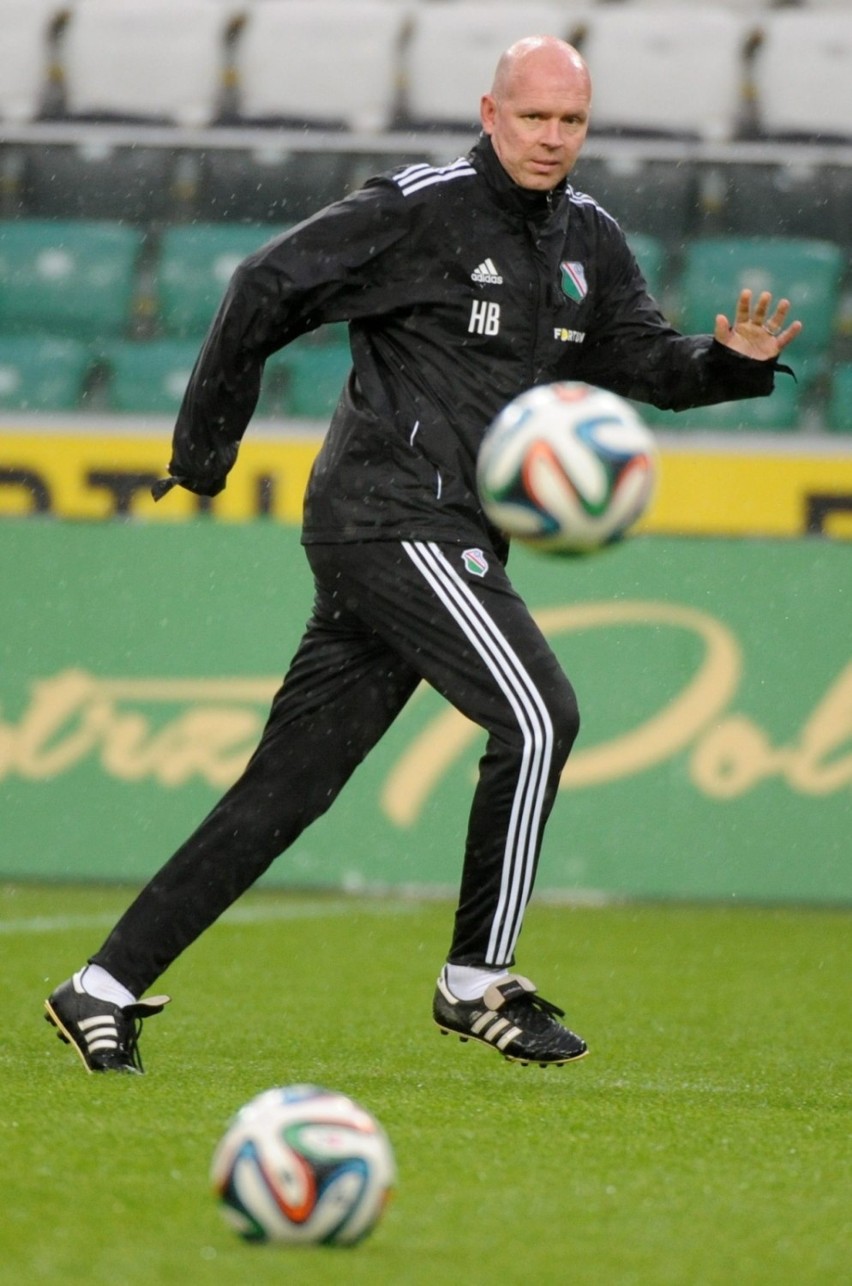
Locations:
(536, 260)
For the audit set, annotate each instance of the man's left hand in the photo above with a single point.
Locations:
(760, 333)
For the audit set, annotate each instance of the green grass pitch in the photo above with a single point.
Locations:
(704, 1140)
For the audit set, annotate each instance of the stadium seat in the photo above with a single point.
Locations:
(790, 198)
(839, 411)
(651, 256)
(194, 267)
(778, 412)
(808, 273)
(273, 183)
(67, 278)
(326, 63)
(90, 179)
(655, 197)
(316, 373)
(666, 70)
(42, 373)
(25, 56)
(751, 8)
(453, 49)
(145, 60)
(270, 183)
(148, 377)
(803, 75)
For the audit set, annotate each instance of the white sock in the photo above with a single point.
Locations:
(97, 982)
(467, 983)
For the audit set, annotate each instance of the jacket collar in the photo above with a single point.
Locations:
(520, 201)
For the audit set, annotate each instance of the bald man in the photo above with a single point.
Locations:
(463, 285)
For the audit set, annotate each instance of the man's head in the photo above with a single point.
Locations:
(537, 112)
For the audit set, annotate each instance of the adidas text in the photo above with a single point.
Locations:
(486, 274)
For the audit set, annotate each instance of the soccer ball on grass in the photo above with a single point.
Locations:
(301, 1165)
(567, 468)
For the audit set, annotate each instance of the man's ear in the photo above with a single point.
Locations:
(487, 111)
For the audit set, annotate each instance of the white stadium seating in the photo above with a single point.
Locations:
(145, 59)
(24, 56)
(803, 74)
(453, 49)
(666, 69)
(320, 61)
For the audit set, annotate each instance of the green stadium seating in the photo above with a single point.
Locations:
(779, 411)
(787, 199)
(316, 373)
(42, 373)
(808, 273)
(839, 413)
(196, 262)
(75, 278)
(651, 256)
(654, 197)
(134, 184)
(274, 185)
(271, 404)
(149, 377)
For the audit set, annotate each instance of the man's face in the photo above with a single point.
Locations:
(538, 122)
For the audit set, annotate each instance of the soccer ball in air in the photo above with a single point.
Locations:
(567, 468)
(303, 1164)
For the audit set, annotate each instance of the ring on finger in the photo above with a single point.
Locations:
(771, 330)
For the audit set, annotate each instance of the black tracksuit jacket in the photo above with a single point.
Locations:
(461, 290)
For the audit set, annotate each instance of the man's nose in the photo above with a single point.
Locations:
(551, 134)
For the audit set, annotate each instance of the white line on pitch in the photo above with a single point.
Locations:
(235, 915)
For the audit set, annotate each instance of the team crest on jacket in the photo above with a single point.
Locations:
(574, 283)
(475, 562)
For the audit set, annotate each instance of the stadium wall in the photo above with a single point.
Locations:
(714, 675)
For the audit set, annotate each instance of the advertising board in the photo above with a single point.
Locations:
(774, 486)
(714, 675)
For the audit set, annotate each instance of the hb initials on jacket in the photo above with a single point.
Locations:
(484, 318)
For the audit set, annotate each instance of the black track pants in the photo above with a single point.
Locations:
(386, 614)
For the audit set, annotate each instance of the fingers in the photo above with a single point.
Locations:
(722, 329)
(761, 308)
(772, 320)
(743, 313)
(784, 338)
(776, 321)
